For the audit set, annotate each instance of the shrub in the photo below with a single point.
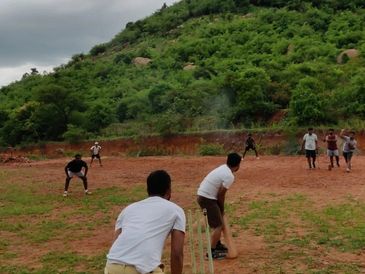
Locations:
(98, 49)
(74, 134)
(211, 149)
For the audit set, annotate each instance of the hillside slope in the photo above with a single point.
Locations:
(206, 64)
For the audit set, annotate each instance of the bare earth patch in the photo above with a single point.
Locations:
(284, 240)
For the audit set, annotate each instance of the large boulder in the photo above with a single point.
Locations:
(189, 66)
(347, 54)
(141, 61)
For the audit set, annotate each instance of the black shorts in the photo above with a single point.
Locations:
(250, 147)
(215, 218)
(95, 156)
(348, 155)
(310, 153)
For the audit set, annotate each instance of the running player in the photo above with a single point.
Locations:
(332, 149)
(310, 144)
(250, 144)
(74, 168)
(211, 196)
(142, 229)
(349, 147)
(95, 153)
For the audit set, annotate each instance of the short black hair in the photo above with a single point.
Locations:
(78, 155)
(158, 183)
(250, 134)
(352, 132)
(233, 159)
(310, 128)
(331, 129)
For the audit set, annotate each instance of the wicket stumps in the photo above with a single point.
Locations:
(199, 267)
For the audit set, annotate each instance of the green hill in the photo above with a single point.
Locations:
(206, 64)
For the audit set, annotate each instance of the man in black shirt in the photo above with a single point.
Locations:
(250, 144)
(74, 168)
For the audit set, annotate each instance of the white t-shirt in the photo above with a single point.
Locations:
(349, 145)
(145, 226)
(95, 149)
(310, 141)
(221, 176)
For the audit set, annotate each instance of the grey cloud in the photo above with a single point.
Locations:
(45, 31)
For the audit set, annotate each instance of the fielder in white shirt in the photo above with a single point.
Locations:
(95, 153)
(142, 228)
(310, 144)
(211, 196)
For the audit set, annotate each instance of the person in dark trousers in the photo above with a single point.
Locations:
(310, 144)
(74, 168)
(95, 153)
(211, 196)
(349, 147)
(250, 144)
(332, 149)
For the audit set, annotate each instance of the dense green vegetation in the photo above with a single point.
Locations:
(248, 60)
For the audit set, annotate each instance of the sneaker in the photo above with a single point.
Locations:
(221, 247)
(65, 194)
(347, 170)
(257, 158)
(218, 254)
(87, 192)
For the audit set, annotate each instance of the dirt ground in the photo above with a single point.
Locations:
(256, 177)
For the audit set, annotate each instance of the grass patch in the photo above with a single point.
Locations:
(278, 220)
(17, 200)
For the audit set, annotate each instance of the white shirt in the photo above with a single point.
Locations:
(310, 141)
(145, 226)
(95, 149)
(349, 145)
(221, 176)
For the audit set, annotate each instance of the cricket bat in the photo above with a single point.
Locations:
(232, 249)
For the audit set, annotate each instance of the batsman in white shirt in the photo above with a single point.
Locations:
(95, 153)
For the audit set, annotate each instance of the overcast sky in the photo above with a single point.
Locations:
(46, 33)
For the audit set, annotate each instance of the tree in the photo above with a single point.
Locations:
(99, 116)
(308, 105)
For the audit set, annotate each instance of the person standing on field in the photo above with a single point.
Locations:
(74, 168)
(332, 149)
(349, 147)
(250, 144)
(142, 228)
(310, 144)
(211, 196)
(95, 153)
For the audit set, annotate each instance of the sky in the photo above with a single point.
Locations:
(44, 34)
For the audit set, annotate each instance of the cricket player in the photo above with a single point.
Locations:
(74, 168)
(95, 153)
(142, 228)
(211, 196)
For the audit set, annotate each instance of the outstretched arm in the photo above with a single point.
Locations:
(177, 251)
(343, 133)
